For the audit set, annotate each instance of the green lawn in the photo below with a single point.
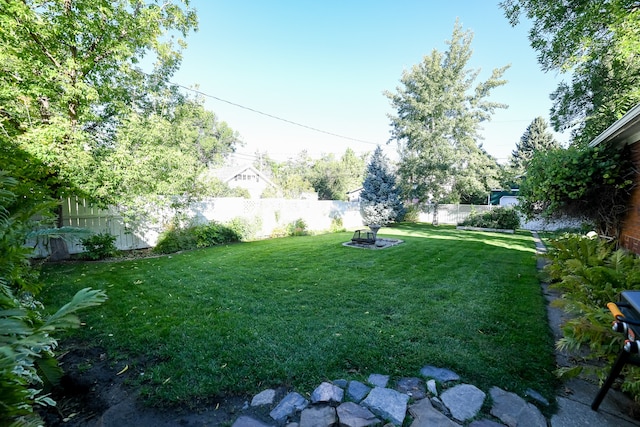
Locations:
(297, 311)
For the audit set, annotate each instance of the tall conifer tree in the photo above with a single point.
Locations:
(380, 201)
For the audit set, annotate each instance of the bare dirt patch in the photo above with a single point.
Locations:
(91, 393)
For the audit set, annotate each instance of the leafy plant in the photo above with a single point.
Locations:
(412, 213)
(586, 183)
(27, 342)
(245, 228)
(196, 236)
(100, 246)
(337, 225)
(297, 228)
(590, 272)
(501, 218)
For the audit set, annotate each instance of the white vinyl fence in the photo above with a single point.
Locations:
(270, 213)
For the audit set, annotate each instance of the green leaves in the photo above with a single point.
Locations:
(586, 183)
(439, 112)
(26, 339)
(596, 43)
(65, 318)
(590, 273)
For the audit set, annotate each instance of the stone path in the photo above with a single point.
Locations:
(436, 398)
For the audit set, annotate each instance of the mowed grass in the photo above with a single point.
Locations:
(296, 311)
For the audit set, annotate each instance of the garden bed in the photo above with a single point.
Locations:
(492, 230)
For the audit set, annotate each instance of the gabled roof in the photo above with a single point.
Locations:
(626, 130)
(228, 173)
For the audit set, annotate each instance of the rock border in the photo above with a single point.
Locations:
(437, 397)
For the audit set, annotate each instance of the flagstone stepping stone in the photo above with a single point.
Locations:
(316, 416)
(357, 391)
(464, 401)
(353, 415)
(439, 374)
(327, 392)
(513, 410)
(425, 415)
(265, 397)
(388, 404)
(288, 406)
(432, 387)
(340, 383)
(536, 396)
(413, 387)
(378, 380)
(485, 423)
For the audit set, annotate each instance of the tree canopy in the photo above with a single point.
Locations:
(330, 177)
(439, 111)
(69, 73)
(76, 99)
(597, 43)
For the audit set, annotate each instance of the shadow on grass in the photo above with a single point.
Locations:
(521, 240)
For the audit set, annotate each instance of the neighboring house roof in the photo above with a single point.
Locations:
(626, 130)
(228, 173)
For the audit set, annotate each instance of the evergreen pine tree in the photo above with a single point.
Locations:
(380, 201)
(535, 138)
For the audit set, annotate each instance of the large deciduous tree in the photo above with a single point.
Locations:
(380, 202)
(439, 111)
(332, 178)
(597, 43)
(73, 96)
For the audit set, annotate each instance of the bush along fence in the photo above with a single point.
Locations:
(251, 218)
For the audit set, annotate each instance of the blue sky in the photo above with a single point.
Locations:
(326, 64)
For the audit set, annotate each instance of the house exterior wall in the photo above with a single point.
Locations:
(630, 233)
(253, 183)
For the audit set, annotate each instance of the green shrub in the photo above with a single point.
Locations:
(501, 218)
(412, 213)
(214, 233)
(175, 239)
(99, 246)
(245, 228)
(297, 228)
(590, 272)
(279, 232)
(195, 236)
(337, 225)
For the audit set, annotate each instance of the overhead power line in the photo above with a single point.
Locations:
(253, 110)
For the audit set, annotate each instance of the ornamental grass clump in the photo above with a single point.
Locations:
(590, 272)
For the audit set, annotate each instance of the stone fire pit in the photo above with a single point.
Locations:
(380, 243)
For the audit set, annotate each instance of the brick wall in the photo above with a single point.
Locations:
(630, 235)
